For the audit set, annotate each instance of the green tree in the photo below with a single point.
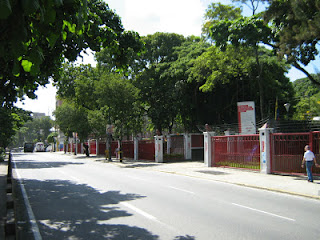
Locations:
(118, 105)
(307, 98)
(11, 119)
(229, 77)
(36, 130)
(73, 119)
(217, 12)
(157, 89)
(289, 27)
(189, 99)
(296, 24)
(37, 36)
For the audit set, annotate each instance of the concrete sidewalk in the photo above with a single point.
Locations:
(295, 185)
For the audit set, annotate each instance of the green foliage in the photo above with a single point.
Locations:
(51, 137)
(11, 120)
(156, 84)
(36, 37)
(296, 24)
(118, 103)
(71, 118)
(34, 130)
(307, 98)
(216, 12)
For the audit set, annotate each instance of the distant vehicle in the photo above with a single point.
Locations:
(39, 147)
(28, 147)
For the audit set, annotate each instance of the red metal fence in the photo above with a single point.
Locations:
(93, 148)
(197, 147)
(128, 149)
(287, 151)
(177, 144)
(146, 149)
(239, 151)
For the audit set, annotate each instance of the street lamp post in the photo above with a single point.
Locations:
(287, 106)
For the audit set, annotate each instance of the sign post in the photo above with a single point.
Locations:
(246, 118)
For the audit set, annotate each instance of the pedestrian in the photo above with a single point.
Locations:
(86, 149)
(308, 159)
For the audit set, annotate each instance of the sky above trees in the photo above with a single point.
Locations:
(147, 17)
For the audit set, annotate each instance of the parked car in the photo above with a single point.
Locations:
(39, 147)
(28, 147)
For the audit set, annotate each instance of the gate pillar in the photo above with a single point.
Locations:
(265, 150)
(158, 146)
(187, 146)
(136, 148)
(208, 148)
(97, 147)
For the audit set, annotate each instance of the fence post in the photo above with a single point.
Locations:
(97, 147)
(158, 146)
(265, 150)
(208, 148)
(168, 144)
(187, 146)
(136, 148)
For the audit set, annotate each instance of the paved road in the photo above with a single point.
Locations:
(85, 199)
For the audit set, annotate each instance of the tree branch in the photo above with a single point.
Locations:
(312, 79)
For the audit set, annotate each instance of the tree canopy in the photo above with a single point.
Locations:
(37, 36)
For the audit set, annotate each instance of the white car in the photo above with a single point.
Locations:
(39, 147)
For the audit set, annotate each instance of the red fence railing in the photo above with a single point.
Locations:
(287, 151)
(197, 141)
(128, 149)
(146, 150)
(177, 144)
(239, 151)
(93, 148)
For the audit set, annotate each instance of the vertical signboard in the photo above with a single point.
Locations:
(246, 118)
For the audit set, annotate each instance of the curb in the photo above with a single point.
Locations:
(10, 220)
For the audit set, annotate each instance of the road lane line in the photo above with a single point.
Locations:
(182, 190)
(143, 213)
(34, 226)
(260, 211)
(149, 216)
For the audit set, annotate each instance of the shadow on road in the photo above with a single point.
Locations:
(32, 164)
(65, 210)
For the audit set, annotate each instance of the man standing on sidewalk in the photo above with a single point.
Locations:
(308, 159)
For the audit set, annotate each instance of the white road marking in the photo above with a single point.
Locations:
(182, 190)
(34, 226)
(141, 212)
(260, 211)
(137, 178)
(149, 216)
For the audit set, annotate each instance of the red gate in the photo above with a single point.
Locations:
(177, 144)
(146, 149)
(287, 151)
(128, 149)
(238, 151)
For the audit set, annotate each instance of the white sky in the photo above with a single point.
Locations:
(146, 17)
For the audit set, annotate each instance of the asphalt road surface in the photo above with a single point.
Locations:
(68, 198)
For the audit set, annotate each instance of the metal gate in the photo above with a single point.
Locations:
(238, 151)
(287, 151)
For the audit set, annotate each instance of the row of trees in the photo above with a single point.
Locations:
(184, 82)
(35, 130)
(177, 82)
